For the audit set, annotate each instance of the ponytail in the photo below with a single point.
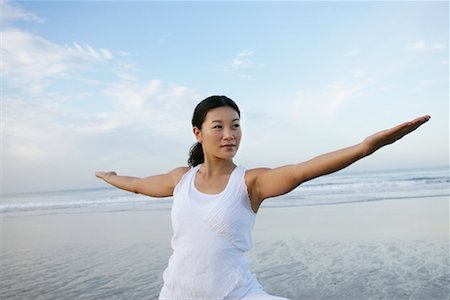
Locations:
(196, 155)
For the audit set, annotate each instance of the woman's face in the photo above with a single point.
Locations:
(220, 134)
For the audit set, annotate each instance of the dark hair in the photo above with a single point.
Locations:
(196, 156)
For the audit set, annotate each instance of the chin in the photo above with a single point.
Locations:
(228, 157)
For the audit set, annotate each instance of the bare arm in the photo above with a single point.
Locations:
(154, 186)
(274, 182)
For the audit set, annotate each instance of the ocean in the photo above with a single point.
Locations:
(105, 243)
(331, 189)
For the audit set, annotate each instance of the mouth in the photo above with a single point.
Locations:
(228, 146)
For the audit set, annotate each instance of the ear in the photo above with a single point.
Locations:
(197, 133)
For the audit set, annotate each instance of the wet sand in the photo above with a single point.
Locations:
(395, 249)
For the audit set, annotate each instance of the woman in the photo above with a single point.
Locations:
(215, 202)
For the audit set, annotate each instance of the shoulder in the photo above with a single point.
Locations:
(250, 178)
(177, 173)
(252, 174)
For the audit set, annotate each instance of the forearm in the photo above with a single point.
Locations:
(331, 162)
(279, 181)
(126, 183)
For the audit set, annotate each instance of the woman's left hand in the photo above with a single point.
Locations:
(389, 136)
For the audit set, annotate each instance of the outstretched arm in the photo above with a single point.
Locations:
(274, 182)
(154, 186)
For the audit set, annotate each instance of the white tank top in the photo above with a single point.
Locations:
(211, 235)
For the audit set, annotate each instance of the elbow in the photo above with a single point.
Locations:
(364, 150)
(299, 174)
(135, 186)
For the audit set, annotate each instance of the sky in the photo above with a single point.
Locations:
(99, 86)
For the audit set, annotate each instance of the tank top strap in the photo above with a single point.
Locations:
(239, 177)
(240, 172)
(185, 180)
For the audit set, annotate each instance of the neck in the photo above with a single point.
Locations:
(217, 166)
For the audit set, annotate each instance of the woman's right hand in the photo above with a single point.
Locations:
(103, 175)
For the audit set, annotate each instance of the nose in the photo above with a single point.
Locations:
(228, 135)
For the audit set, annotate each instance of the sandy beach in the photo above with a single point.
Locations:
(393, 249)
(374, 250)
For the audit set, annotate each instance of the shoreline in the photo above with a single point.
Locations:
(411, 218)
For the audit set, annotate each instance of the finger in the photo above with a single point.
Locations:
(416, 123)
(421, 119)
(100, 174)
(413, 125)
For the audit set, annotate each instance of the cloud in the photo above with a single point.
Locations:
(358, 73)
(418, 45)
(13, 12)
(30, 132)
(240, 61)
(161, 107)
(352, 52)
(38, 130)
(328, 101)
(46, 137)
(29, 60)
(88, 53)
(421, 85)
(438, 46)
(47, 131)
(422, 45)
(126, 71)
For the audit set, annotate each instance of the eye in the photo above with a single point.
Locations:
(218, 126)
(236, 125)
